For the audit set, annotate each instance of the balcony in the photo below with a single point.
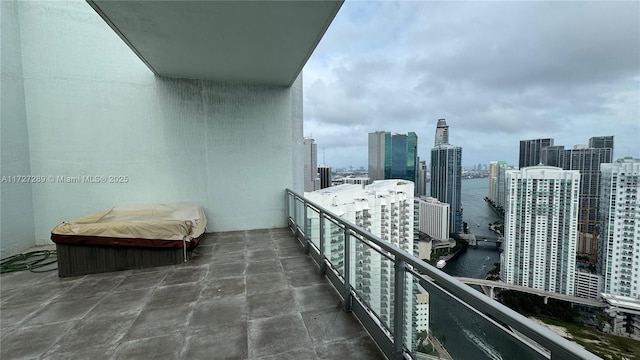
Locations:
(466, 323)
(247, 295)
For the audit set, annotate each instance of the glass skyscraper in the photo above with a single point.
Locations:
(446, 181)
(442, 133)
(530, 151)
(393, 156)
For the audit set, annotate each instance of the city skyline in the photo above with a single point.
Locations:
(498, 72)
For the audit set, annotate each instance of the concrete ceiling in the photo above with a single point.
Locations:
(264, 42)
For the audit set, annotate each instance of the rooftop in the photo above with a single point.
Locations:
(245, 295)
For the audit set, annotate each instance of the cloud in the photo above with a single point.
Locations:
(499, 72)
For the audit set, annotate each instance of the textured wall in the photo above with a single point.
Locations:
(94, 109)
(16, 207)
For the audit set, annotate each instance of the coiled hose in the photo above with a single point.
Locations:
(31, 261)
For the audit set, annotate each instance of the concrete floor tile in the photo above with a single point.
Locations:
(90, 286)
(137, 281)
(90, 352)
(185, 274)
(264, 267)
(103, 332)
(260, 255)
(159, 321)
(225, 287)
(230, 247)
(297, 263)
(264, 283)
(306, 277)
(175, 295)
(242, 299)
(363, 348)
(298, 354)
(331, 324)
(129, 302)
(15, 315)
(224, 258)
(38, 292)
(227, 310)
(290, 250)
(260, 243)
(225, 270)
(40, 340)
(271, 304)
(277, 335)
(217, 342)
(317, 297)
(62, 311)
(25, 279)
(164, 347)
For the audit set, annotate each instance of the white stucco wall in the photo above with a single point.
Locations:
(16, 207)
(93, 108)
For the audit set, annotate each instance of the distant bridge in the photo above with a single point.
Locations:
(545, 294)
(475, 239)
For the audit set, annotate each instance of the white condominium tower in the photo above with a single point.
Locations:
(619, 238)
(541, 228)
(433, 218)
(385, 208)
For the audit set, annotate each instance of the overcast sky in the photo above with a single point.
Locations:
(498, 72)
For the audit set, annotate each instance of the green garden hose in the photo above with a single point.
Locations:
(31, 261)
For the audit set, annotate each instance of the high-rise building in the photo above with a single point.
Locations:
(385, 208)
(541, 228)
(433, 218)
(552, 156)
(601, 142)
(404, 157)
(530, 151)
(442, 133)
(324, 172)
(501, 189)
(310, 160)
(393, 156)
(377, 154)
(493, 180)
(421, 183)
(619, 240)
(587, 160)
(446, 181)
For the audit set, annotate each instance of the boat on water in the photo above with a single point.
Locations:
(440, 264)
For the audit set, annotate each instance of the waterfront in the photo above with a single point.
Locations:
(476, 262)
(481, 340)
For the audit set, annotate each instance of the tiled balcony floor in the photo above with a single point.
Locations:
(249, 295)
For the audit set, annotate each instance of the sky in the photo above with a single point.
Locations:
(498, 72)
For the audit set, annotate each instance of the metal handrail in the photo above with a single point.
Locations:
(559, 347)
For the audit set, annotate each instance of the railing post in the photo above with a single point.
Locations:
(323, 263)
(306, 227)
(347, 270)
(398, 308)
(287, 207)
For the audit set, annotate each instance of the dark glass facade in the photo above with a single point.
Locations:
(552, 156)
(446, 181)
(530, 151)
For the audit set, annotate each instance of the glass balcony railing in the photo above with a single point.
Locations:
(411, 309)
